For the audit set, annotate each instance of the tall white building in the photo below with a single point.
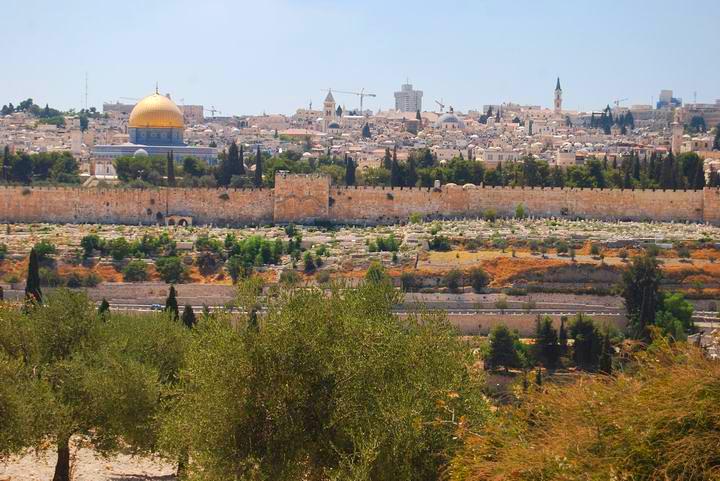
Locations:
(407, 99)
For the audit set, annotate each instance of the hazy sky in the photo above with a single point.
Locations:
(277, 55)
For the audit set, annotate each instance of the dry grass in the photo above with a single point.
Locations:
(660, 423)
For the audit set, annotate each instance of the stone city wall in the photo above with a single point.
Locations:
(309, 198)
(392, 205)
(135, 206)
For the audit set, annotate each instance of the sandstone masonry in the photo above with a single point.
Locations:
(311, 198)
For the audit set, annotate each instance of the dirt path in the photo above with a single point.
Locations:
(88, 466)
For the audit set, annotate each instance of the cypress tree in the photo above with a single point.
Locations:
(547, 349)
(412, 177)
(387, 160)
(699, 180)
(587, 343)
(395, 174)
(366, 131)
(641, 291)
(188, 316)
(562, 336)
(667, 172)
(636, 167)
(104, 308)
(605, 363)
(171, 169)
(253, 323)
(171, 304)
(502, 351)
(32, 285)
(6, 162)
(258, 168)
(233, 161)
(241, 161)
(713, 178)
(349, 170)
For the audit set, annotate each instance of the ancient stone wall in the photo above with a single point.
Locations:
(368, 205)
(308, 198)
(301, 198)
(135, 206)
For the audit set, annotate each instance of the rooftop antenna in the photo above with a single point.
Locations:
(157, 88)
(695, 97)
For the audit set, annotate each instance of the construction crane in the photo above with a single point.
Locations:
(617, 102)
(212, 110)
(441, 104)
(362, 94)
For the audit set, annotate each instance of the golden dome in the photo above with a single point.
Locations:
(156, 111)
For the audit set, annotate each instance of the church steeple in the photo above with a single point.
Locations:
(558, 98)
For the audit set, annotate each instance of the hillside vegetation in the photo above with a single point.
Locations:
(659, 422)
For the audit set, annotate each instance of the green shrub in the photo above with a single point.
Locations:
(562, 247)
(49, 277)
(289, 277)
(238, 268)
(171, 269)
(119, 248)
(490, 215)
(453, 280)
(135, 271)
(90, 243)
(308, 262)
(479, 279)
(439, 243)
(408, 281)
(44, 249)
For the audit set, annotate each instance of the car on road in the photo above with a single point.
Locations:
(156, 307)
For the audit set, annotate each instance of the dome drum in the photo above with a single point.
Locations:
(156, 120)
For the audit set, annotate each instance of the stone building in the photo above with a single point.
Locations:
(156, 126)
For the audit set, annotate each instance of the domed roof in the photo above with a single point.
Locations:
(140, 153)
(156, 111)
(450, 118)
(334, 125)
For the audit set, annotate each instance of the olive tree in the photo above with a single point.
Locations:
(88, 377)
(331, 386)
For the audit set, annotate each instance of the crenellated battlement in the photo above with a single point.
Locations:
(311, 197)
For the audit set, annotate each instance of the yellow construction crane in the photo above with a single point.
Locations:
(362, 94)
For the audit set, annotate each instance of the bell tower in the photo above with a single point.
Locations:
(329, 108)
(558, 98)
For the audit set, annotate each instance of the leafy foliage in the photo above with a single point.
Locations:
(660, 420)
(329, 387)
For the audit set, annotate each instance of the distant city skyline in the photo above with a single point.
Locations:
(276, 56)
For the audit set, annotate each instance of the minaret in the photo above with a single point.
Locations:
(558, 98)
(677, 134)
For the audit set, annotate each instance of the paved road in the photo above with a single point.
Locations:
(700, 317)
